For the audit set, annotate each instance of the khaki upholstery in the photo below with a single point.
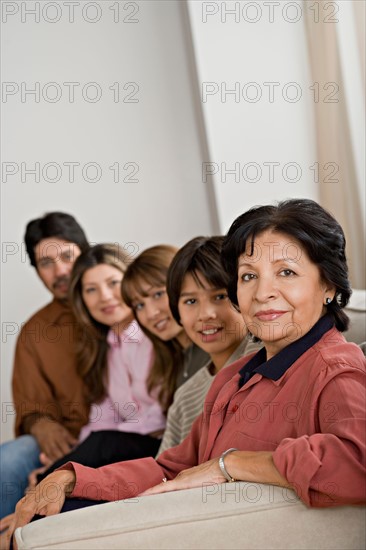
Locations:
(356, 311)
(233, 515)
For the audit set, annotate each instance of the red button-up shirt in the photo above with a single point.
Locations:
(312, 418)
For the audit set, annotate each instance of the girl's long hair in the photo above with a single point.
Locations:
(92, 344)
(151, 267)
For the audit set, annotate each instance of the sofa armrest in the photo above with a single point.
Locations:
(233, 515)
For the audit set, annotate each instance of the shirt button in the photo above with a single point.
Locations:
(235, 408)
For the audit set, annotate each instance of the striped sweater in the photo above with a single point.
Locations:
(189, 399)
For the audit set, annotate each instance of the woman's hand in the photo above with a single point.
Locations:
(4, 525)
(254, 466)
(206, 473)
(46, 499)
(32, 478)
(5, 522)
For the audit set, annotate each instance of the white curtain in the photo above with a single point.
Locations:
(336, 43)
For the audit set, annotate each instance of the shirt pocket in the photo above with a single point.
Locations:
(245, 442)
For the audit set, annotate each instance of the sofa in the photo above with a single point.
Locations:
(356, 311)
(232, 515)
(229, 516)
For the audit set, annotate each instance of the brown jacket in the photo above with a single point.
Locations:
(45, 380)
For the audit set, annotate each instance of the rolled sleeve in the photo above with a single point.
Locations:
(328, 468)
(116, 481)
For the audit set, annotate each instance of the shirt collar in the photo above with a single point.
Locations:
(276, 367)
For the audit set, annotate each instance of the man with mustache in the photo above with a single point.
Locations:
(47, 391)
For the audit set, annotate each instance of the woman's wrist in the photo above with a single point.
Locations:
(231, 465)
(65, 479)
(222, 465)
(254, 466)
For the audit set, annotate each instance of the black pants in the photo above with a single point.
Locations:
(108, 446)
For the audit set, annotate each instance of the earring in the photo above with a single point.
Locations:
(328, 301)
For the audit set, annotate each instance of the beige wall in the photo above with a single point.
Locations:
(254, 80)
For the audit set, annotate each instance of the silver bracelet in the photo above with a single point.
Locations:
(222, 465)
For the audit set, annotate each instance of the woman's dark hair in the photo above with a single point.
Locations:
(151, 267)
(92, 339)
(54, 224)
(313, 227)
(203, 255)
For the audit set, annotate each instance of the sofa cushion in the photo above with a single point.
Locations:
(233, 515)
(356, 311)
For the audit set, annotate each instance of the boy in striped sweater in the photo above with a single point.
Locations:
(198, 300)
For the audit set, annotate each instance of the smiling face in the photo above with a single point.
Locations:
(280, 292)
(101, 293)
(151, 306)
(209, 318)
(54, 260)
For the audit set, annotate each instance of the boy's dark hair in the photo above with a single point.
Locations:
(313, 227)
(203, 255)
(54, 224)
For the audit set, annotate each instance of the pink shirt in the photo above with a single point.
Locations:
(128, 406)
